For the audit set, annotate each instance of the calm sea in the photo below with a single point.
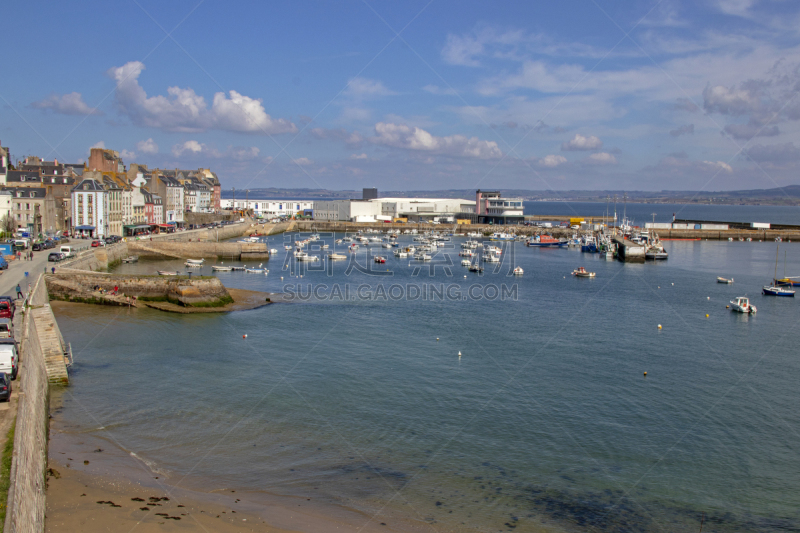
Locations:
(356, 391)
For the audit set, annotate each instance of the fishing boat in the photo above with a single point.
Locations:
(491, 258)
(742, 305)
(402, 254)
(217, 268)
(465, 262)
(777, 290)
(196, 261)
(518, 271)
(303, 256)
(724, 280)
(131, 259)
(589, 245)
(547, 241)
(582, 273)
(379, 259)
(500, 236)
(466, 253)
(475, 267)
(167, 272)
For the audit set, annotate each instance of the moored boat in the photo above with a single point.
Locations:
(547, 241)
(724, 280)
(196, 261)
(167, 272)
(465, 262)
(335, 256)
(518, 271)
(742, 305)
(581, 272)
(774, 290)
(218, 268)
(379, 259)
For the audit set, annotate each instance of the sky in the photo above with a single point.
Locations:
(414, 95)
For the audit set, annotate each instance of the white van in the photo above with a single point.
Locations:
(8, 357)
(22, 243)
(66, 250)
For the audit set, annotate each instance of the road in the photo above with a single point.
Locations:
(16, 273)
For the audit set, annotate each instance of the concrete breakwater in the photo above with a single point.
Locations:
(187, 250)
(81, 287)
(558, 231)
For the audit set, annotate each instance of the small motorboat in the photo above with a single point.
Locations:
(582, 273)
(742, 305)
(254, 270)
(272, 251)
(195, 261)
(131, 259)
(379, 259)
(336, 256)
(193, 265)
(724, 280)
(518, 271)
(465, 262)
(475, 267)
(218, 268)
(167, 272)
(777, 290)
(287, 247)
(238, 268)
(491, 258)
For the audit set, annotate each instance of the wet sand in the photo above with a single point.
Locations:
(95, 486)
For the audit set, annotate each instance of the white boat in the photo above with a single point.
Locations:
(387, 245)
(131, 259)
(724, 280)
(303, 256)
(466, 253)
(500, 236)
(518, 271)
(273, 251)
(742, 305)
(195, 261)
(254, 270)
(466, 262)
(192, 265)
(335, 256)
(491, 258)
(167, 272)
(582, 273)
(217, 268)
(400, 253)
(287, 247)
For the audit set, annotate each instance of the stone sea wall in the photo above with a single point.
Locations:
(26, 496)
(78, 286)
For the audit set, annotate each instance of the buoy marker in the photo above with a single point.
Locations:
(659, 326)
(645, 373)
(244, 336)
(459, 354)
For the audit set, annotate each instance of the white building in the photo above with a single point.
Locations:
(413, 209)
(270, 208)
(90, 208)
(5, 205)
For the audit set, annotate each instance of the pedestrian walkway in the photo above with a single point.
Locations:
(16, 273)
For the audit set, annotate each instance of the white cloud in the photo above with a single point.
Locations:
(719, 166)
(364, 87)
(435, 89)
(352, 139)
(66, 104)
(579, 142)
(552, 161)
(186, 111)
(99, 144)
(735, 7)
(147, 147)
(126, 155)
(602, 158)
(303, 161)
(359, 156)
(192, 147)
(402, 136)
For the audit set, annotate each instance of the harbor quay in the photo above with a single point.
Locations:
(760, 234)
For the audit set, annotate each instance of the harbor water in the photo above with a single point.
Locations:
(471, 402)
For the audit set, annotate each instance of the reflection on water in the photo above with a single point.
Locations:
(545, 419)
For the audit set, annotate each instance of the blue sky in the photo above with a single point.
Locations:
(588, 94)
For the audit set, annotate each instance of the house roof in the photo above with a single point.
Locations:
(88, 185)
(23, 175)
(27, 192)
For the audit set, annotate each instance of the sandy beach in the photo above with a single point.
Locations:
(94, 486)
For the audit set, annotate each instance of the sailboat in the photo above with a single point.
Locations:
(775, 289)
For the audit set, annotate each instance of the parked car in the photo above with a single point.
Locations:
(37, 246)
(9, 358)
(6, 309)
(10, 300)
(3, 263)
(6, 328)
(97, 243)
(5, 387)
(55, 257)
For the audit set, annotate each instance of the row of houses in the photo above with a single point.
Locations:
(100, 197)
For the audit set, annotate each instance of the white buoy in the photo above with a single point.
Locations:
(244, 336)
(673, 284)
(708, 297)
(437, 338)
(281, 278)
(659, 326)
(459, 354)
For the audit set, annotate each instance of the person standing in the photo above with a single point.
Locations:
(19, 292)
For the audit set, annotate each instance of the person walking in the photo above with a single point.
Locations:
(20, 296)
